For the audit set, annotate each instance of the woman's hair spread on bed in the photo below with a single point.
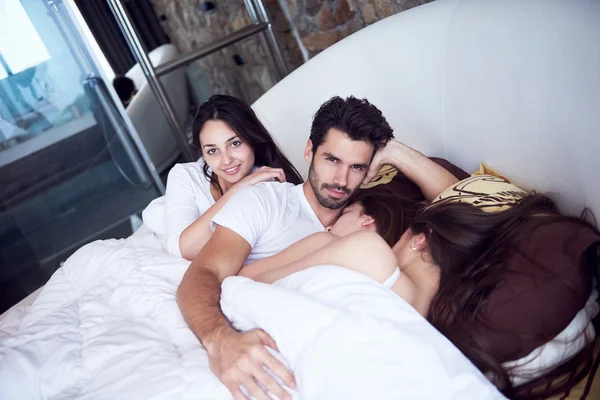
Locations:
(392, 214)
(469, 246)
(357, 118)
(243, 121)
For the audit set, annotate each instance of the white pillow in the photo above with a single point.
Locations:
(563, 347)
(154, 215)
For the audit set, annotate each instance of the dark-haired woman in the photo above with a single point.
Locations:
(236, 151)
(448, 260)
(384, 215)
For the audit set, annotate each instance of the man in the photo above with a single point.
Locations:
(264, 219)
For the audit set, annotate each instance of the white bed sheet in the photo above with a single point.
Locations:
(107, 326)
(346, 336)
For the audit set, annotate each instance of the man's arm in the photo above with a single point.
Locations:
(200, 290)
(431, 178)
(236, 358)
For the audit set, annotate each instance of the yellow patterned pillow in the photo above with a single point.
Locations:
(485, 170)
(383, 177)
(487, 192)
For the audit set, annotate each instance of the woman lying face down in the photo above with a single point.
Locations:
(450, 258)
(384, 216)
(372, 236)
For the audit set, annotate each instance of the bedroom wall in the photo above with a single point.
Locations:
(304, 29)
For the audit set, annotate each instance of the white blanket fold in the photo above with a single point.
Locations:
(346, 336)
(107, 326)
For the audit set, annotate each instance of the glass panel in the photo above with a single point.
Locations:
(69, 171)
(38, 91)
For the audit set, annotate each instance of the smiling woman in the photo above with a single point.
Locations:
(225, 153)
(235, 150)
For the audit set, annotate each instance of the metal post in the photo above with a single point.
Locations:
(261, 24)
(251, 10)
(210, 48)
(258, 13)
(142, 58)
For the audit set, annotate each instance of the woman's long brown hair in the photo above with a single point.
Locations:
(469, 246)
(392, 214)
(242, 120)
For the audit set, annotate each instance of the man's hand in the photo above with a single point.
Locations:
(431, 178)
(382, 157)
(238, 359)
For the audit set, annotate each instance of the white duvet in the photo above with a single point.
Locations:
(107, 326)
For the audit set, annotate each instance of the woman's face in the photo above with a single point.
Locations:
(352, 220)
(230, 158)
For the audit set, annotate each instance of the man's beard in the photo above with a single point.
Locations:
(324, 200)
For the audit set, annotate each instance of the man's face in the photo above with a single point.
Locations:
(337, 168)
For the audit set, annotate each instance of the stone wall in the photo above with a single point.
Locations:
(321, 23)
(303, 27)
(189, 28)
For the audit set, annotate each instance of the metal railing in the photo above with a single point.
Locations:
(261, 24)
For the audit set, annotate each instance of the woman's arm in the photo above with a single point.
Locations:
(431, 178)
(364, 252)
(296, 251)
(188, 227)
(181, 207)
(187, 217)
(196, 235)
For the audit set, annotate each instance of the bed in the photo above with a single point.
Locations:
(513, 83)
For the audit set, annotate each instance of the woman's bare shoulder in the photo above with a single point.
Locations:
(369, 254)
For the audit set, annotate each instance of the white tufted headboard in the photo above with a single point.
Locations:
(514, 83)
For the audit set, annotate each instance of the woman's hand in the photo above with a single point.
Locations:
(263, 174)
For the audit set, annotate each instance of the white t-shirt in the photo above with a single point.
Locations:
(270, 216)
(187, 197)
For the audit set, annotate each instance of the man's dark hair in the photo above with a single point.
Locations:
(124, 87)
(357, 118)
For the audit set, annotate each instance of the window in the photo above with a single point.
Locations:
(20, 45)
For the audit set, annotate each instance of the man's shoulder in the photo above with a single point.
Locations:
(271, 195)
(270, 189)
